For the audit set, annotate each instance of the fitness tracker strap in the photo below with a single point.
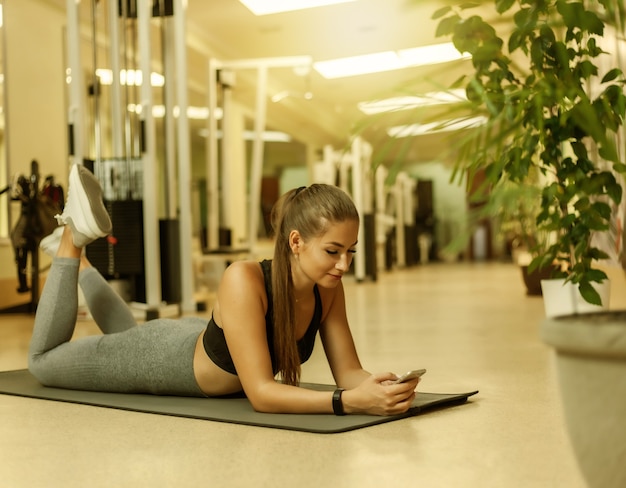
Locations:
(337, 403)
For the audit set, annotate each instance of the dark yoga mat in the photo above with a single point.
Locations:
(234, 410)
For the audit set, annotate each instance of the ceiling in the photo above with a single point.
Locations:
(227, 31)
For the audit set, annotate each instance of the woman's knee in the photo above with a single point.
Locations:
(36, 368)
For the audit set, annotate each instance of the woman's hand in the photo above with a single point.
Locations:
(378, 395)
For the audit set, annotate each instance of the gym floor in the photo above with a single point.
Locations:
(470, 324)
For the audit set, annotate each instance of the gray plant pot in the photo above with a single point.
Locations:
(591, 364)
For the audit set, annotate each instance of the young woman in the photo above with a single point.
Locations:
(264, 323)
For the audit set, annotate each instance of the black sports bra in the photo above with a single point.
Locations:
(215, 342)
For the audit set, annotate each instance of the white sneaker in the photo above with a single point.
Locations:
(50, 243)
(84, 209)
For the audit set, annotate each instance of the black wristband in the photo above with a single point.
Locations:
(337, 403)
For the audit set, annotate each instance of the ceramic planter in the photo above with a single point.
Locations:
(561, 298)
(533, 280)
(591, 365)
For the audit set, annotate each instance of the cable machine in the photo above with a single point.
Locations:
(222, 72)
(121, 146)
(350, 170)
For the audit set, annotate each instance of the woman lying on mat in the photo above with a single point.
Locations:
(264, 323)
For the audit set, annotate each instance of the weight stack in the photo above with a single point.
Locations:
(121, 255)
(170, 261)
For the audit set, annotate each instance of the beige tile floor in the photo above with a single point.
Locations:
(471, 325)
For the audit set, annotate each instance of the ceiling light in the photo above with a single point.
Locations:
(249, 135)
(194, 113)
(265, 7)
(388, 60)
(132, 77)
(410, 102)
(434, 127)
(358, 65)
(280, 96)
(433, 54)
(268, 136)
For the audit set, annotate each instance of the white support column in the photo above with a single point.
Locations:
(325, 171)
(345, 163)
(357, 196)
(213, 216)
(399, 202)
(184, 159)
(117, 121)
(228, 139)
(172, 79)
(76, 112)
(152, 262)
(234, 178)
(254, 204)
(368, 180)
(256, 173)
(368, 208)
(383, 221)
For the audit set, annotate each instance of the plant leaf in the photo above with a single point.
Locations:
(503, 5)
(589, 293)
(441, 12)
(611, 75)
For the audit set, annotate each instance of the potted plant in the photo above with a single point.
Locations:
(514, 207)
(553, 108)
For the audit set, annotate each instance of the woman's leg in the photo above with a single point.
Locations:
(107, 308)
(155, 357)
(55, 319)
(85, 219)
(56, 312)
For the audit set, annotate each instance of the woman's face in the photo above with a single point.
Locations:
(324, 259)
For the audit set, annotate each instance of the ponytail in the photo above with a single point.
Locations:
(310, 211)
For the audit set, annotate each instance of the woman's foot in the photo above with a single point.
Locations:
(84, 210)
(50, 243)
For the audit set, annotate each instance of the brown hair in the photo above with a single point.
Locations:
(310, 211)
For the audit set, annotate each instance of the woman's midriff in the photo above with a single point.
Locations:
(212, 379)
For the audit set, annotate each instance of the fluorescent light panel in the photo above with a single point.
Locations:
(395, 104)
(195, 113)
(434, 127)
(131, 77)
(388, 60)
(265, 7)
(248, 135)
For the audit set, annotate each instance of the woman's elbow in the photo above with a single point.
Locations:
(263, 401)
(262, 405)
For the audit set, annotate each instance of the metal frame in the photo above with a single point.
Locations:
(175, 48)
(261, 65)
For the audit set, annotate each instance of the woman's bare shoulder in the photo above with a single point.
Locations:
(241, 288)
(243, 275)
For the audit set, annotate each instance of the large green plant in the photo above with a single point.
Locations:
(548, 108)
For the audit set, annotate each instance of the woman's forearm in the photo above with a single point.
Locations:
(279, 398)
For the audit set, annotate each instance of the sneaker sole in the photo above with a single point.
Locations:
(95, 221)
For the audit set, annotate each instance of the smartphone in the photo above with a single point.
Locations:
(416, 373)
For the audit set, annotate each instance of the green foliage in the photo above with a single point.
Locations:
(550, 112)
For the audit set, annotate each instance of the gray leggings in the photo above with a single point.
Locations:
(156, 357)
